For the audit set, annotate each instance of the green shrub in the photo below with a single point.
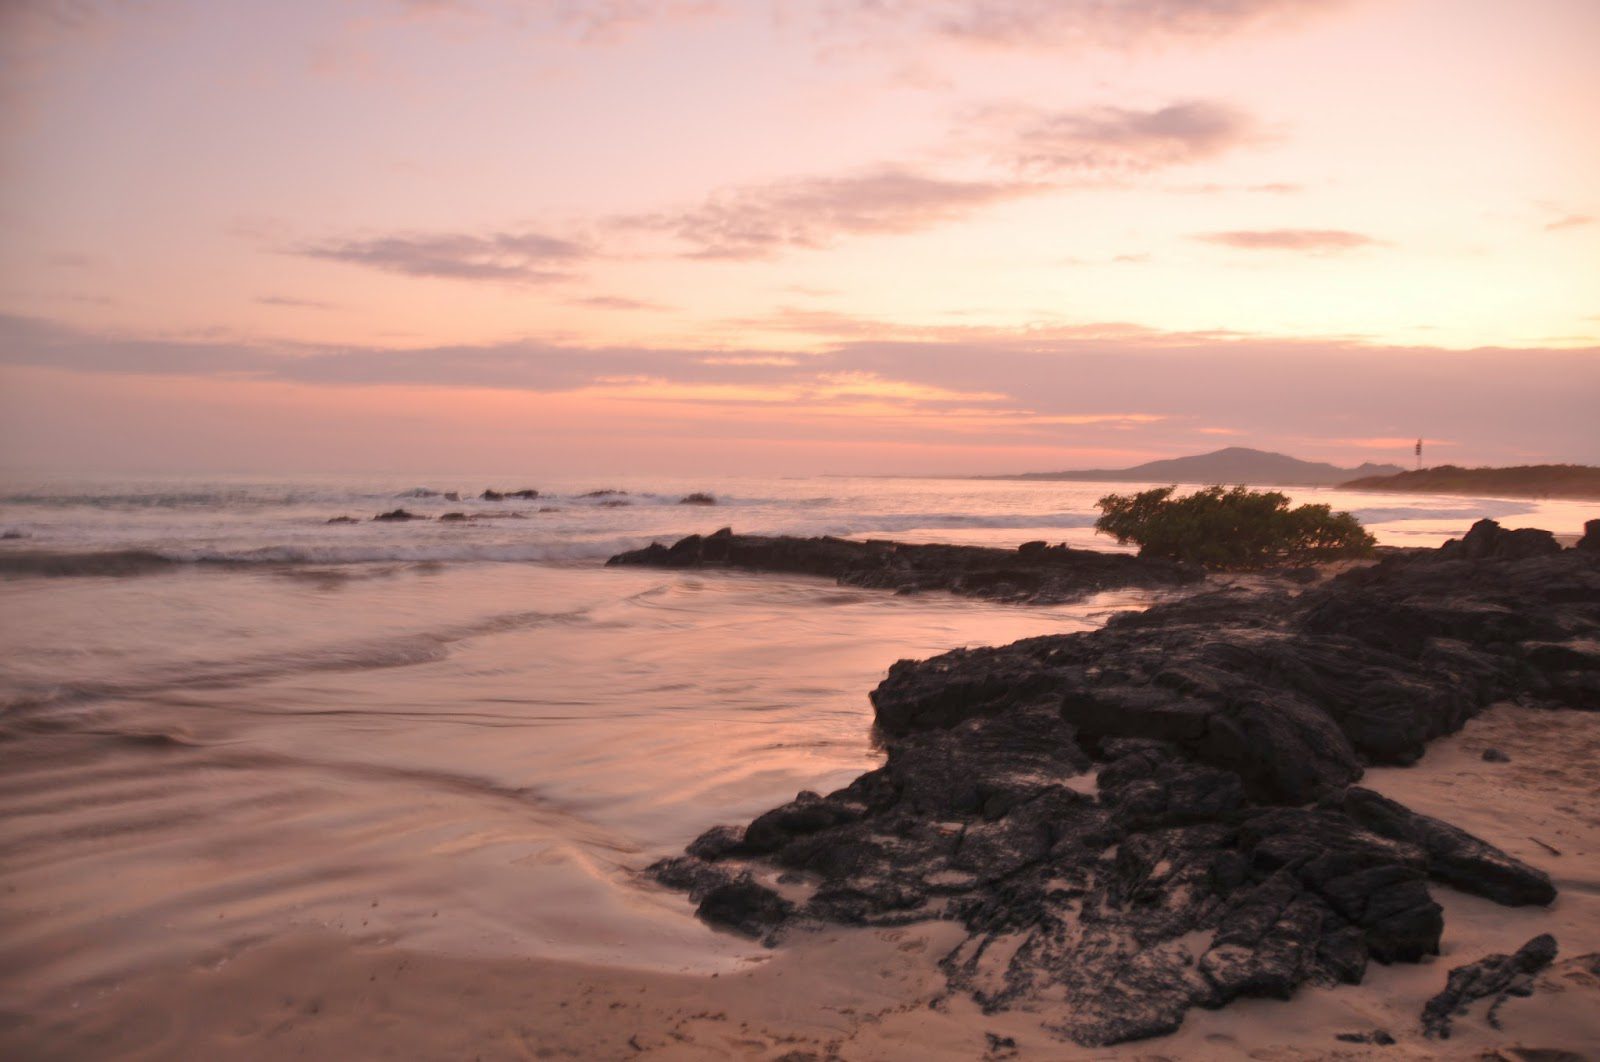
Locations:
(1238, 528)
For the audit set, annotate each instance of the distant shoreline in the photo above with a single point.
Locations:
(1578, 482)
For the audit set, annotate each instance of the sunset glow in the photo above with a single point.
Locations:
(765, 236)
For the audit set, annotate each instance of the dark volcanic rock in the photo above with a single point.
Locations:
(1040, 575)
(344, 520)
(1487, 539)
(527, 494)
(697, 498)
(452, 517)
(1495, 976)
(1590, 542)
(1162, 814)
(1453, 856)
(745, 907)
(398, 514)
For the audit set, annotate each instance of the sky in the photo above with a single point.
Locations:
(789, 237)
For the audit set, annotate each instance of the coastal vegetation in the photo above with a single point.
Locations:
(1517, 481)
(1238, 528)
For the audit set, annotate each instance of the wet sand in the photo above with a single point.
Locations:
(875, 994)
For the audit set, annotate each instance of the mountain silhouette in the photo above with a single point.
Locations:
(1231, 465)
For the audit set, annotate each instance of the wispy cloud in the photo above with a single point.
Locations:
(514, 257)
(69, 259)
(808, 213)
(588, 20)
(291, 302)
(1269, 188)
(1121, 139)
(1570, 221)
(1040, 24)
(617, 302)
(1391, 443)
(1048, 385)
(1315, 241)
(30, 31)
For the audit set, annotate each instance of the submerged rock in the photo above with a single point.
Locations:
(527, 494)
(1162, 814)
(697, 498)
(398, 514)
(344, 520)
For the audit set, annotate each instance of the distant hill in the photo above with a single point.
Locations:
(1232, 465)
(1520, 481)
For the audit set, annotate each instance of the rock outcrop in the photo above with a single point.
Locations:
(1590, 542)
(1034, 573)
(1493, 977)
(1487, 539)
(1163, 814)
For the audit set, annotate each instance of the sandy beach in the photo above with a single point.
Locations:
(877, 994)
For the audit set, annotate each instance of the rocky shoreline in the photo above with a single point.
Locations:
(1163, 814)
(1035, 573)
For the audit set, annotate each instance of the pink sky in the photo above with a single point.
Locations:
(785, 236)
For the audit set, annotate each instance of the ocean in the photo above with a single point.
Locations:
(225, 719)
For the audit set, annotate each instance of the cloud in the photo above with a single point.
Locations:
(588, 20)
(617, 302)
(1044, 24)
(512, 257)
(750, 359)
(294, 303)
(1571, 221)
(32, 30)
(762, 220)
(816, 322)
(1120, 139)
(1392, 443)
(1270, 188)
(68, 259)
(1316, 241)
(1048, 385)
(604, 20)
